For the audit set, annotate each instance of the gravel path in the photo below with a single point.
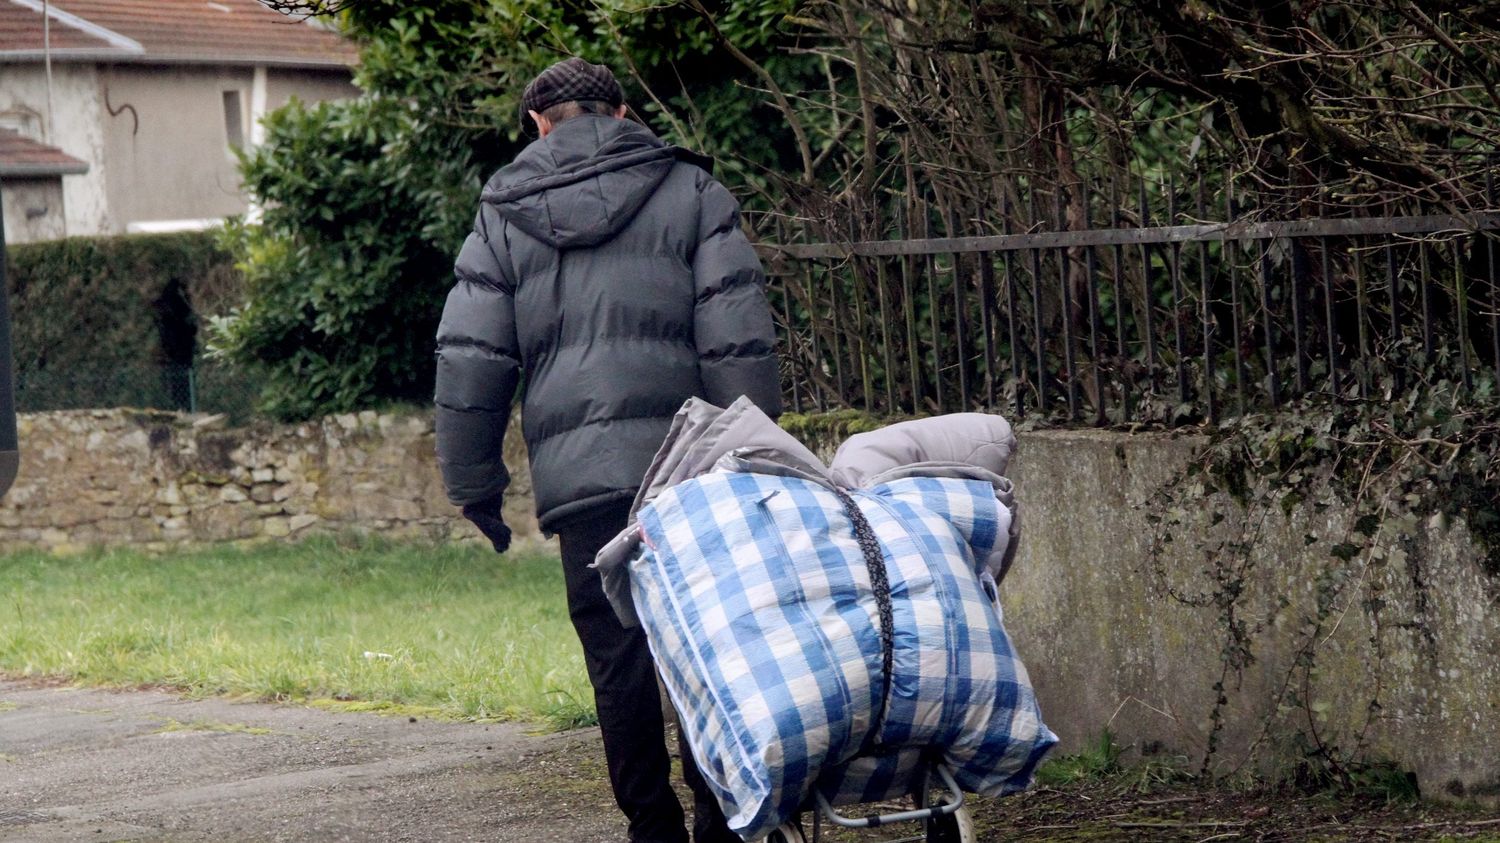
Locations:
(94, 765)
(84, 764)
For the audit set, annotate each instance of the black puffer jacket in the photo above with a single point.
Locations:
(611, 270)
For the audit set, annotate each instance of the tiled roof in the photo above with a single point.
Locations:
(21, 29)
(168, 32)
(22, 156)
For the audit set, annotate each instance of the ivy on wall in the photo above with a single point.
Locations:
(1368, 475)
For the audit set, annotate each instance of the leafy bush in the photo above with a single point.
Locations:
(345, 277)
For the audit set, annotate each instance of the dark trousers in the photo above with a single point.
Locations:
(625, 694)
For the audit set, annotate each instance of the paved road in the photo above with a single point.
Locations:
(91, 765)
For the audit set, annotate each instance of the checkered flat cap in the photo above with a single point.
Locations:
(570, 80)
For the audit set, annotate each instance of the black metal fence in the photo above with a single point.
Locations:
(207, 386)
(1175, 320)
(9, 455)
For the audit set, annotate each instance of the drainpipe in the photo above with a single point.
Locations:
(47, 61)
(257, 131)
(258, 105)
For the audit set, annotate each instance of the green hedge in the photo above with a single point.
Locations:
(114, 321)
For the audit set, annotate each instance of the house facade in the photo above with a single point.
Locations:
(148, 101)
(31, 187)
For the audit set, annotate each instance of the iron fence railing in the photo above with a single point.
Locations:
(206, 386)
(1175, 322)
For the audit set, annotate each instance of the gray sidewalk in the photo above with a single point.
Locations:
(95, 765)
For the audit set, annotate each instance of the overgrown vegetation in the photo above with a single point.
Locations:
(1369, 482)
(1101, 809)
(345, 275)
(98, 321)
(866, 120)
(440, 630)
(831, 427)
(991, 117)
(1099, 758)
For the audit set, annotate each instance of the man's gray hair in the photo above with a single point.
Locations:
(576, 108)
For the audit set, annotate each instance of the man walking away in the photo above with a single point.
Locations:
(610, 270)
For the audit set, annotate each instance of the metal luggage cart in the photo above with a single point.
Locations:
(944, 818)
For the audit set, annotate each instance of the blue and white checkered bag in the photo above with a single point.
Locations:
(758, 605)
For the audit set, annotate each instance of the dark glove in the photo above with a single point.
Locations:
(486, 516)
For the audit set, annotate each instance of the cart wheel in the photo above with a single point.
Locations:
(787, 833)
(957, 827)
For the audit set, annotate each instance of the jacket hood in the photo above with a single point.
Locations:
(584, 181)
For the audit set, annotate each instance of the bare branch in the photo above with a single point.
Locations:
(803, 148)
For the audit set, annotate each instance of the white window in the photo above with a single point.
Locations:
(22, 121)
(234, 119)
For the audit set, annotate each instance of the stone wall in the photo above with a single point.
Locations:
(155, 479)
(1116, 641)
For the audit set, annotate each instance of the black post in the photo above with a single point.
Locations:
(1064, 270)
(1210, 406)
(960, 317)
(1269, 324)
(1121, 346)
(1147, 300)
(1011, 300)
(1333, 352)
(1489, 247)
(1036, 310)
(1230, 252)
(1174, 255)
(10, 456)
(1299, 318)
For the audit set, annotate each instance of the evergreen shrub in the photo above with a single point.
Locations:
(114, 321)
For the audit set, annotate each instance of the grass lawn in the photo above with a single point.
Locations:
(451, 631)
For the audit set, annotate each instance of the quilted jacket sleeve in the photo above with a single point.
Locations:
(478, 368)
(732, 320)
